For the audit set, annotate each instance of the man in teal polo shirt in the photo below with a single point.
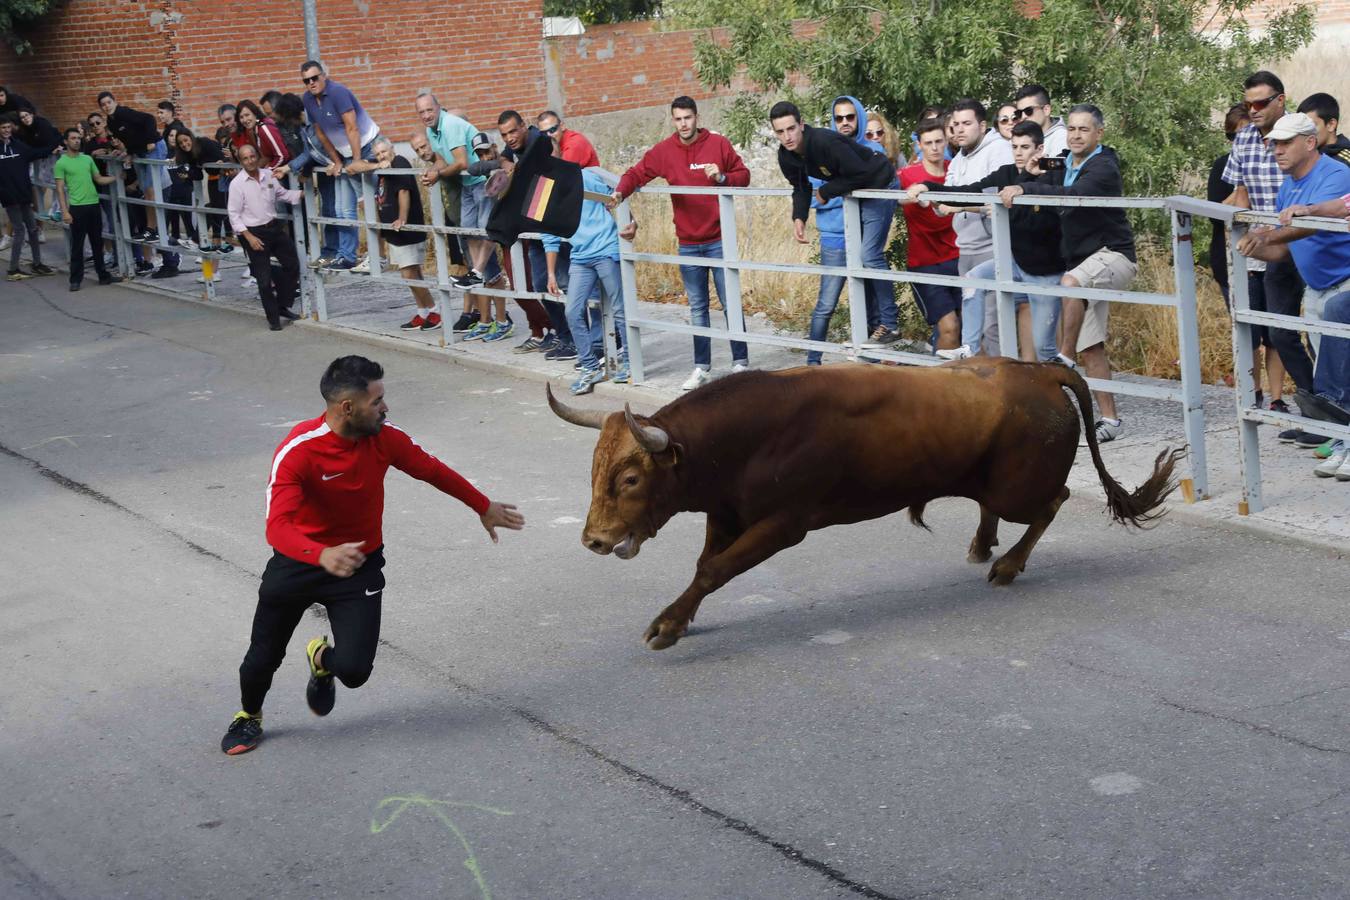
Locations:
(76, 176)
(449, 137)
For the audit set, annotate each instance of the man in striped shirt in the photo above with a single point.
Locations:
(325, 505)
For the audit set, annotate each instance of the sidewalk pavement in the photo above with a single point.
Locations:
(1300, 507)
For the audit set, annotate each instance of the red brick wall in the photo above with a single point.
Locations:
(201, 54)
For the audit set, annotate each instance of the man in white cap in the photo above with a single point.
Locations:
(1322, 257)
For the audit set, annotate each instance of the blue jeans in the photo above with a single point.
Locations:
(157, 177)
(538, 259)
(582, 278)
(1331, 378)
(877, 216)
(346, 188)
(827, 298)
(328, 244)
(1044, 310)
(695, 280)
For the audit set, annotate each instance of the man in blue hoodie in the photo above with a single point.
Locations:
(594, 258)
(846, 117)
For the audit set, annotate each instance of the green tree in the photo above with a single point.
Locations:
(1159, 69)
(16, 16)
(603, 12)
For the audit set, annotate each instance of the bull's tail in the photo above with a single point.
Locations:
(1143, 505)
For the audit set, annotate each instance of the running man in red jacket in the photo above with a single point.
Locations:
(325, 504)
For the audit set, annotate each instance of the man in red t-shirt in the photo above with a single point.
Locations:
(573, 146)
(325, 506)
(932, 242)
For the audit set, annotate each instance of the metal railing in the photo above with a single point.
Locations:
(1187, 391)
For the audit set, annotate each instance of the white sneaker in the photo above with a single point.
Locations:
(1108, 431)
(361, 268)
(188, 244)
(1343, 473)
(740, 367)
(42, 236)
(5, 242)
(215, 277)
(696, 380)
(962, 352)
(249, 281)
(1331, 466)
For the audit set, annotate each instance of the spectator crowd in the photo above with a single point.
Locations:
(1282, 161)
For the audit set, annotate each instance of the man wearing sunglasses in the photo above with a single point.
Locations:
(1032, 104)
(1271, 286)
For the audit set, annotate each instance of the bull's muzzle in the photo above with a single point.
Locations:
(624, 549)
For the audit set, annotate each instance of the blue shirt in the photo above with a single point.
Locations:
(1324, 258)
(597, 237)
(1071, 171)
(449, 133)
(327, 110)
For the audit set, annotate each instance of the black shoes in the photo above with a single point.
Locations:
(320, 694)
(109, 279)
(74, 286)
(465, 322)
(244, 733)
(164, 272)
(1316, 406)
(288, 313)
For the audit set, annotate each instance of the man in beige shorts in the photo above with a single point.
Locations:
(399, 202)
(1098, 247)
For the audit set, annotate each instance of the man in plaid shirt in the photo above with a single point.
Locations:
(1256, 180)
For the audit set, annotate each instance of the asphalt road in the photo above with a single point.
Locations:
(1157, 714)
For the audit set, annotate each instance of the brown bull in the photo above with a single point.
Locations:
(770, 456)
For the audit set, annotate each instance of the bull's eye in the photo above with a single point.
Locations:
(630, 481)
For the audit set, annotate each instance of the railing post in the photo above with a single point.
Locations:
(1003, 271)
(628, 275)
(121, 228)
(1246, 376)
(731, 252)
(298, 232)
(857, 286)
(438, 239)
(1188, 338)
(370, 214)
(319, 306)
(201, 197)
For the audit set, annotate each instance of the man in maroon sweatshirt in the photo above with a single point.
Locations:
(699, 158)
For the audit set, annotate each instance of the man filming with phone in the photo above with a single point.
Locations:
(1097, 244)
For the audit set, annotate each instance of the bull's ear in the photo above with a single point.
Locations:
(670, 457)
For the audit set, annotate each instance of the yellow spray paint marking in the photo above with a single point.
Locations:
(393, 807)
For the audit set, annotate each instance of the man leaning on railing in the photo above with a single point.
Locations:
(1314, 185)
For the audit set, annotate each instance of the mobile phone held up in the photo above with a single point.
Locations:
(1052, 164)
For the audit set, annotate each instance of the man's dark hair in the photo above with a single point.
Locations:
(270, 98)
(1098, 119)
(1269, 79)
(103, 94)
(289, 109)
(1324, 106)
(166, 104)
(347, 374)
(1237, 113)
(785, 108)
(932, 112)
(10, 118)
(684, 102)
(66, 134)
(310, 64)
(975, 106)
(510, 115)
(1028, 128)
(933, 123)
(548, 112)
(1028, 91)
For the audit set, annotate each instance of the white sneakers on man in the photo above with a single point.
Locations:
(1337, 465)
(740, 367)
(696, 380)
(962, 352)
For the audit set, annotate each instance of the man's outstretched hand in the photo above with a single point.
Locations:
(501, 515)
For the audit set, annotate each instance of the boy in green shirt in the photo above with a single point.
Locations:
(76, 177)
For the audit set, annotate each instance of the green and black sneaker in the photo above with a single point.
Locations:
(244, 733)
(320, 694)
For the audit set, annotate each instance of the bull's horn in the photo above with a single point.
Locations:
(649, 437)
(586, 418)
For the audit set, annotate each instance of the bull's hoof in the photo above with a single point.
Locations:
(1003, 572)
(979, 554)
(663, 634)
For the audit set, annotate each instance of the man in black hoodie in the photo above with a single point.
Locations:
(16, 196)
(843, 165)
(1326, 115)
(1098, 248)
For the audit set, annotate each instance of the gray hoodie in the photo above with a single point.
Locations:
(973, 234)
